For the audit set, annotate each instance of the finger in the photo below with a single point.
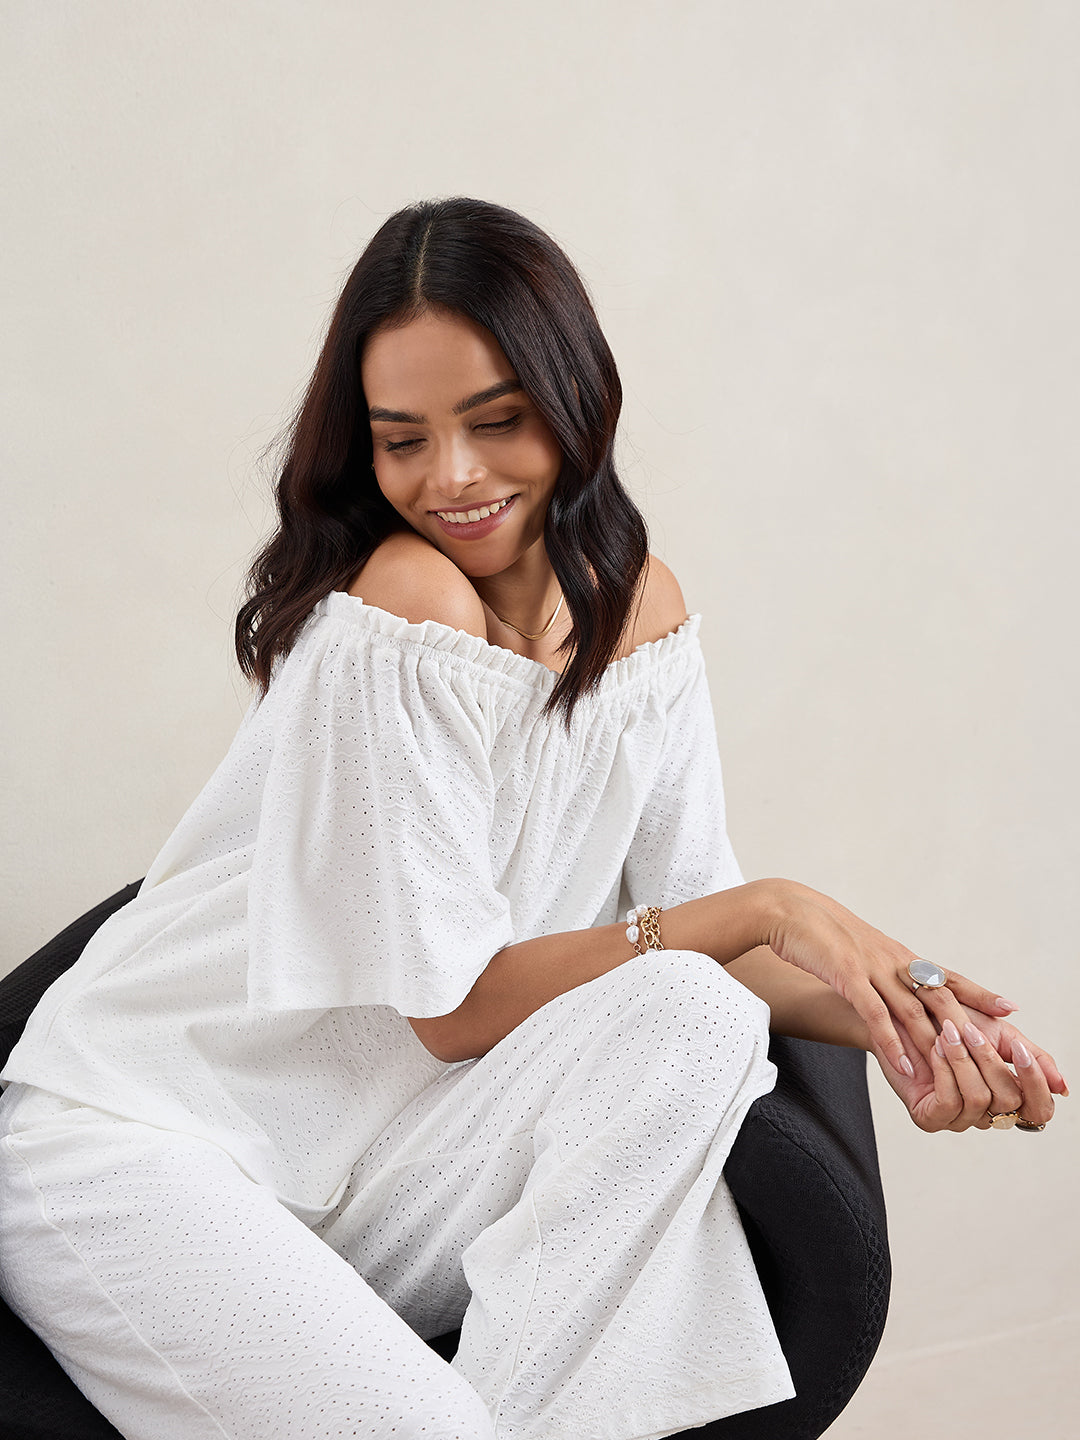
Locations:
(1002, 1035)
(874, 1012)
(948, 1101)
(975, 1093)
(1006, 1093)
(913, 1012)
(990, 1059)
(941, 1110)
(1047, 1064)
(946, 1003)
(1037, 1106)
(931, 1108)
(977, 996)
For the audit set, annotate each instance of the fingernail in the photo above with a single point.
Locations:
(1020, 1055)
(952, 1035)
(974, 1037)
(907, 1067)
(1002, 1004)
(939, 1047)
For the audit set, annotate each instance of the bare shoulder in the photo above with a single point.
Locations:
(662, 608)
(408, 576)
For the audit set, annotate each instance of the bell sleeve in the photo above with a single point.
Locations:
(371, 880)
(680, 849)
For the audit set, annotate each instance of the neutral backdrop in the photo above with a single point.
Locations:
(833, 246)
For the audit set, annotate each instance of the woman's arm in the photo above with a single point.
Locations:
(825, 974)
(523, 976)
(808, 933)
(802, 1005)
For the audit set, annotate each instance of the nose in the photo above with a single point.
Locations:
(458, 467)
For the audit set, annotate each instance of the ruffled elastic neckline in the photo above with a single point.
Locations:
(496, 658)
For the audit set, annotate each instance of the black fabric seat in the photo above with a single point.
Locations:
(803, 1172)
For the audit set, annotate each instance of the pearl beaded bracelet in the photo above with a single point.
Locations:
(644, 921)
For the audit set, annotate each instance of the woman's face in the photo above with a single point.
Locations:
(447, 444)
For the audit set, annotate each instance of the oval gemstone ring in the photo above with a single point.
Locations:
(925, 972)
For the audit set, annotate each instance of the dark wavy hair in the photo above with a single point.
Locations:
(503, 271)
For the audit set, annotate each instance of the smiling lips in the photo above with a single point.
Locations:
(480, 512)
(476, 523)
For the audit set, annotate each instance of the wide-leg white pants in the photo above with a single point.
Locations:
(560, 1198)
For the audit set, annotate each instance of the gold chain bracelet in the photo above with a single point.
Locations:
(643, 922)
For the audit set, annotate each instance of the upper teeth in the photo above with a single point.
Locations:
(462, 517)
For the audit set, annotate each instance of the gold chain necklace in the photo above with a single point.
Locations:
(540, 633)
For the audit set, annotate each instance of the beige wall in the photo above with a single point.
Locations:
(834, 248)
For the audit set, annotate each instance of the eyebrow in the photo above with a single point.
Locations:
(482, 397)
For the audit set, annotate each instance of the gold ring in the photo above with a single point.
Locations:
(1005, 1121)
(1027, 1125)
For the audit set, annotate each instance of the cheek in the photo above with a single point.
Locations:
(540, 459)
(393, 484)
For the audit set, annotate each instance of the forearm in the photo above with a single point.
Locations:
(522, 977)
(802, 1005)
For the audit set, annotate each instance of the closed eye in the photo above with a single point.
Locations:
(501, 426)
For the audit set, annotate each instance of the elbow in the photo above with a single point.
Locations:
(445, 1037)
(465, 1033)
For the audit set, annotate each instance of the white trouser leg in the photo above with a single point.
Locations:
(185, 1301)
(564, 1194)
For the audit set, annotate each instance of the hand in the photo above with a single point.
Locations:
(967, 1077)
(1012, 1045)
(866, 967)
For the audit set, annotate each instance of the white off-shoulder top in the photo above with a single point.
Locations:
(392, 812)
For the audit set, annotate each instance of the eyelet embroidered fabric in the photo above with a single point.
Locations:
(394, 811)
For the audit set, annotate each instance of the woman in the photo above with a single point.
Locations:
(372, 1053)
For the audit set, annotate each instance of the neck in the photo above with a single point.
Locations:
(526, 593)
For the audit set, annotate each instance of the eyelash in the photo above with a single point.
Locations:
(501, 425)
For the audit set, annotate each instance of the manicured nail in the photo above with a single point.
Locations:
(1001, 1004)
(973, 1036)
(939, 1047)
(907, 1067)
(952, 1035)
(1020, 1055)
